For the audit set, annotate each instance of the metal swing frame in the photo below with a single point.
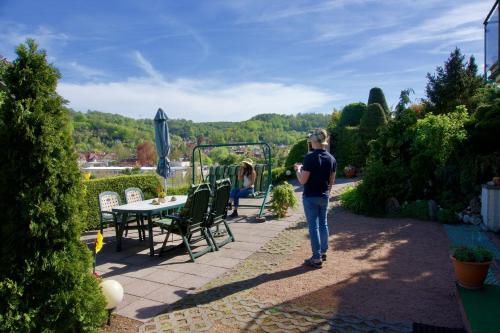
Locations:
(266, 149)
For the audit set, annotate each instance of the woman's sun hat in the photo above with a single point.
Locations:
(247, 161)
(319, 135)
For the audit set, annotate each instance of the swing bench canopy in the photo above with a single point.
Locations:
(263, 181)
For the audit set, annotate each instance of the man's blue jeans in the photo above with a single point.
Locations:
(316, 209)
(237, 193)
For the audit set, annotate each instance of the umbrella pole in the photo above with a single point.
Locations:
(165, 185)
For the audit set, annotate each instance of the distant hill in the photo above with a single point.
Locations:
(101, 131)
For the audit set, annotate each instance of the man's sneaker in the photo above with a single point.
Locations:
(234, 214)
(315, 263)
(323, 256)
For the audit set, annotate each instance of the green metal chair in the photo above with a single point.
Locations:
(218, 212)
(191, 220)
(107, 201)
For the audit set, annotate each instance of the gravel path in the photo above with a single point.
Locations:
(392, 269)
(381, 275)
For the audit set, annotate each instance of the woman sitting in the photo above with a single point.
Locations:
(247, 174)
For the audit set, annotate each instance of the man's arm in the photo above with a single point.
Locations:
(303, 176)
(331, 181)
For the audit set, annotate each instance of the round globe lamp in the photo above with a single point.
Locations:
(113, 293)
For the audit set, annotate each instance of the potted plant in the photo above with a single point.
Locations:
(161, 196)
(471, 265)
(350, 171)
(283, 198)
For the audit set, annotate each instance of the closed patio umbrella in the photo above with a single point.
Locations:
(162, 140)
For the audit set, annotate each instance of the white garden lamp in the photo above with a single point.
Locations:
(113, 293)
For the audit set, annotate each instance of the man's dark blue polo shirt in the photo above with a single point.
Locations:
(320, 164)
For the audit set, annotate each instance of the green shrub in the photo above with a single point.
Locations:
(46, 281)
(472, 254)
(381, 182)
(484, 125)
(350, 199)
(377, 96)
(447, 216)
(346, 147)
(148, 183)
(296, 154)
(283, 198)
(418, 209)
(279, 175)
(373, 118)
(436, 139)
(351, 114)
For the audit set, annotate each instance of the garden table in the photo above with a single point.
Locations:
(146, 209)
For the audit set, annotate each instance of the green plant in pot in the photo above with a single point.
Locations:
(283, 198)
(471, 265)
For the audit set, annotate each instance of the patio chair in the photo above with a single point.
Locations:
(134, 194)
(107, 201)
(218, 212)
(191, 220)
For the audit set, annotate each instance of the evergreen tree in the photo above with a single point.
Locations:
(377, 96)
(45, 277)
(351, 114)
(452, 85)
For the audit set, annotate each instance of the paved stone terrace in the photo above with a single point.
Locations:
(153, 284)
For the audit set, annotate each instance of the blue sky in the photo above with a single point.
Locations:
(230, 60)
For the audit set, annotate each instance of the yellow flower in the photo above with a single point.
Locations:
(162, 194)
(98, 242)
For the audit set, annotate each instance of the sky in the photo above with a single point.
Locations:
(229, 60)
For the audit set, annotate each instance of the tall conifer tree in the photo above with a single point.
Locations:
(45, 275)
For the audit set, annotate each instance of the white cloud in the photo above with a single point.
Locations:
(83, 71)
(195, 100)
(462, 23)
(147, 67)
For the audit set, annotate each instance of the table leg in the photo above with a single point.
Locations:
(150, 234)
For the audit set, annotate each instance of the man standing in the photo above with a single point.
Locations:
(317, 174)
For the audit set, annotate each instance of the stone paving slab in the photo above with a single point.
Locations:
(151, 284)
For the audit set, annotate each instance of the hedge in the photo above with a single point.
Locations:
(148, 183)
(346, 147)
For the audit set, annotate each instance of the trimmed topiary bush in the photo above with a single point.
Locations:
(377, 96)
(346, 147)
(46, 281)
(296, 154)
(351, 114)
(373, 118)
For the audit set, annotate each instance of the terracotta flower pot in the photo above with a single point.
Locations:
(470, 275)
